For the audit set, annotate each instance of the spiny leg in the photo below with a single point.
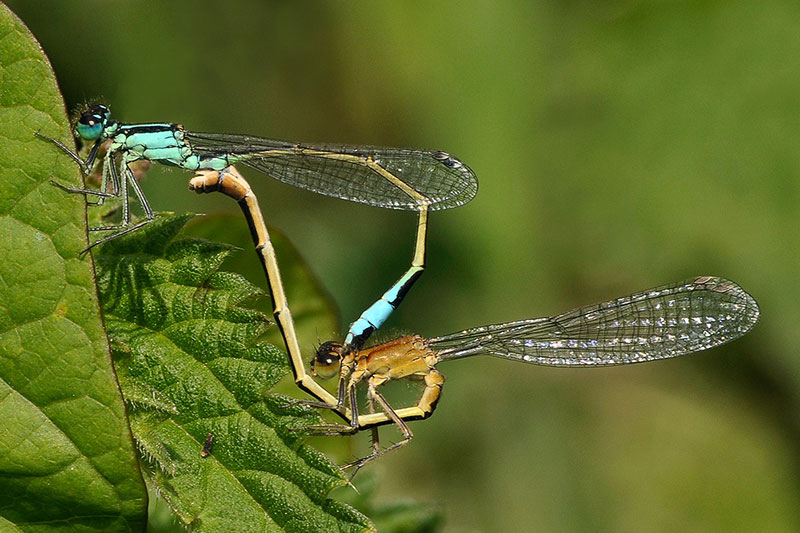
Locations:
(122, 184)
(83, 191)
(434, 381)
(120, 188)
(376, 445)
(375, 437)
(109, 170)
(86, 166)
(372, 392)
(137, 189)
(341, 429)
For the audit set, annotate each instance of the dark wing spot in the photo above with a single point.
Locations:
(446, 159)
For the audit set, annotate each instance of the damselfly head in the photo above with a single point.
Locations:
(327, 360)
(92, 121)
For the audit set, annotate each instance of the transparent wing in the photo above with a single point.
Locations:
(663, 322)
(394, 178)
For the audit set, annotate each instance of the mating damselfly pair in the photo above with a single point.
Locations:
(655, 324)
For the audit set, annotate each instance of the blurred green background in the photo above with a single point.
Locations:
(619, 145)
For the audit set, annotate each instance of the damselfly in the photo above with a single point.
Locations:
(393, 178)
(658, 323)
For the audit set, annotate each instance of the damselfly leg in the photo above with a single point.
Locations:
(119, 188)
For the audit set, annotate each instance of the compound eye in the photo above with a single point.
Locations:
(327, 360)
(93, 120)
(89, 132)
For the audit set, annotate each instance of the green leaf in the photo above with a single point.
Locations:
(405, 516)
(315, 314)
(67, 460)
(191, 365)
